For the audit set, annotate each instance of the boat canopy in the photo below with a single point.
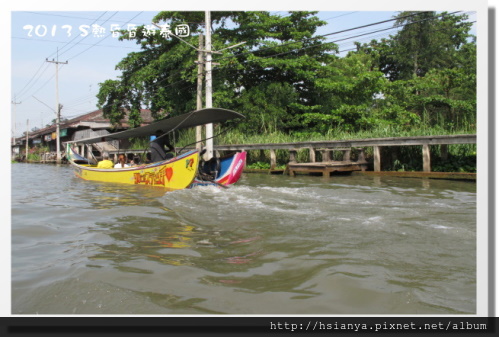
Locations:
(188, 120)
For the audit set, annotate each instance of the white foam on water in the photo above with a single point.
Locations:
(440, 226)
(373, 220)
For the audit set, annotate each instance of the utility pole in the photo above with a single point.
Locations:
(14, 131)
(209, 88)
(57, 106)
(27, 139)
(199, 98)
(208, 103)
(208, 64)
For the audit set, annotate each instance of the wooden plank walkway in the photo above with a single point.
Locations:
(376, 143)
(389, 141)
(326, 168)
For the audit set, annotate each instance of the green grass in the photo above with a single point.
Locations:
(33, 157)
(139, 143)
(236, 137)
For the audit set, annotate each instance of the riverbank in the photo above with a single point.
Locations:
(427, 175)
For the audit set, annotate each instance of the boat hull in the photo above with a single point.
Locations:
(231, 169)
(174, 174)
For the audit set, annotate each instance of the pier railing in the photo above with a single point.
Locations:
(376, 143)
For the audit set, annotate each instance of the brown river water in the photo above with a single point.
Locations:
(270, 245)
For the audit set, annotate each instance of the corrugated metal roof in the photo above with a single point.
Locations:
(94, 116)
(188, 120)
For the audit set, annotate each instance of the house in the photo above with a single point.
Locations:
(84, 126)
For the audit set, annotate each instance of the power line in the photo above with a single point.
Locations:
(339, 16)
(92, 45)
(74, 45)
(293, 42)
(39, 77)
(333, 33)
(47, 66)
(319, 45)
(44, 84)
(28, 86)
(68, 43)
(381, 30)
(71, 16)
(73, 57)
(303, 48)
(41, 65)
(81, 99)
(83, 44)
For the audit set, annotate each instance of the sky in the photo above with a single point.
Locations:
(88, 57)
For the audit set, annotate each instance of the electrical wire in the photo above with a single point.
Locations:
(26, 88)
(288, 43)
(329, 34)
(86, 37)
(76, 37)
(44, 84)
(21, 91)
(75, 56)
(121, 20)
(287, 52)
(189, 85)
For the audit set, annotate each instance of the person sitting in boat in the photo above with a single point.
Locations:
(157, 148)
(105, 162)
(129, 160)
(135, 161)
(121, 162)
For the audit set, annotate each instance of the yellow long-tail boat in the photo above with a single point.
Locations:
(182, 171)
(174, 174)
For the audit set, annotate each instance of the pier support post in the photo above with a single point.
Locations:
(312, 154)
(89, 152)
(444, 151)
(273, 159)
(362, 156)
(426, 158)
(377, 159)
(347, 155)
(326, 155)
(261, 155)
(293, 155)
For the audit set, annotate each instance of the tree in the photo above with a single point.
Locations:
(54, 121)
(280, 63)
(286, 79)
(280, 54)
(351, 86)
(426, 40)
(431, 63)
